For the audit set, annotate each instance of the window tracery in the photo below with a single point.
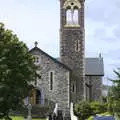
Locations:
(72, 4)
(72, 8)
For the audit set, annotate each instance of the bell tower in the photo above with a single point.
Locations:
(72, 43)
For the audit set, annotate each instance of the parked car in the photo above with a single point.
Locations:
(104, 118)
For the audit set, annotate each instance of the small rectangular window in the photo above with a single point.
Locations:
(51, 80)
(73, 88)
(77, 45)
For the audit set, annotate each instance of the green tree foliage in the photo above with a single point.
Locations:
(17, 70)
(114, 95)
(110, 101)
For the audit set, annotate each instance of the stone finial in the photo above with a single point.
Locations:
(36, 43)
(100, 55)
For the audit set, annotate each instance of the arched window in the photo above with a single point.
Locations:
(75, 16)
(72, 8)
(68, 16)
(72, 16)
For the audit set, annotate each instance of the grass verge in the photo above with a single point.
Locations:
(22, 118)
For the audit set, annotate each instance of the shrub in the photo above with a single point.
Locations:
(98, 108)
(83, 110)
(86, 109)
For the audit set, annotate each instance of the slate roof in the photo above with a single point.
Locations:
(94, 66)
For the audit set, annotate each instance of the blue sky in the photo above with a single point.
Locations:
(39, 20)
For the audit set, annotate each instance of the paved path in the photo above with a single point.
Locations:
(104, 118)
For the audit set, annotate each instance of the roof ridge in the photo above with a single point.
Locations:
(54, 59)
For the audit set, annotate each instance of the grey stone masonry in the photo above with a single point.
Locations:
(94, 88)
(72, 45)
(60, 92)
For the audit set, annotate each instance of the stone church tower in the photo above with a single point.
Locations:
(72, 43)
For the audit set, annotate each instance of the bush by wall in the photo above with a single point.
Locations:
(85, 109)
(98, 107)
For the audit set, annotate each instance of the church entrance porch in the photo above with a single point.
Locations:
(37, 96)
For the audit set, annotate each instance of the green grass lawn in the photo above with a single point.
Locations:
(22, 118)
(17, 118)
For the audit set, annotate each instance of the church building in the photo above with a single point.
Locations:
(71, 77)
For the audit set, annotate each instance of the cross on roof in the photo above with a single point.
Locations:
(36, 43)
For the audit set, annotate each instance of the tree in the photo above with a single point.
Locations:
(114, 94)
(17, 71)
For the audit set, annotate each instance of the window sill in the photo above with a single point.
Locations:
(72, 25)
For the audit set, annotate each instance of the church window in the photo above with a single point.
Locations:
(51, 75)
(69, 17)
(77, 45)
(72, 16)
(73, 88)
(72, 10)
(75, 16)
(36, 59)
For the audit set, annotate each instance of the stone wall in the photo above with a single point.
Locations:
(95, 91)
(61, 82)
